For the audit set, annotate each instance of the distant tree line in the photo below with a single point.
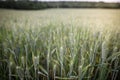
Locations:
(25, 4)
(28, 5)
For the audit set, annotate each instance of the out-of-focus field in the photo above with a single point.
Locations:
(77, 17)
(55, 44)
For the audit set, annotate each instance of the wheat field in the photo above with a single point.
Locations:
(60, 44)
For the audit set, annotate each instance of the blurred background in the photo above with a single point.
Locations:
(43, 4)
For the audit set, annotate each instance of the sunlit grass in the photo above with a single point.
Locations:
(60, 44)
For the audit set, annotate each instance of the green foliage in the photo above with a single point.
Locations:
(35, 5)
(27, 5)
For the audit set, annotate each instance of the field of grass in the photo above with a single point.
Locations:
(60, 44)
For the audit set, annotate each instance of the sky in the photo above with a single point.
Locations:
(85, 0)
